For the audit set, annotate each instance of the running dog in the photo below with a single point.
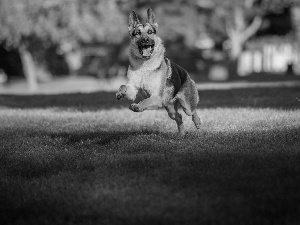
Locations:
(153, 81)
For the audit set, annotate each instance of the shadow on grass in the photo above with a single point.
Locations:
(283, 97)
(264, 144)
(100, 178)
(70, 151)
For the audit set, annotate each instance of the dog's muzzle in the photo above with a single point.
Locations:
(146, 47)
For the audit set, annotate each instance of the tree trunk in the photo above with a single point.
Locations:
(233, 69)
(74, 61)
(237, 44)
(238, 33)
(295, 17)
(28, 68)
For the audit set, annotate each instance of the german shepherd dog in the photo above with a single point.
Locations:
(153, 81)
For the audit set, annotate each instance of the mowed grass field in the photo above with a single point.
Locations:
(87, 159)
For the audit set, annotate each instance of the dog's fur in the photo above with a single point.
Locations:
(153, 81)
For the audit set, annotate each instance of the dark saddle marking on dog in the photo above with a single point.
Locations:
(178, 75)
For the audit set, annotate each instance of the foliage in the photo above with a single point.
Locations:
(54, 24)
(224, 11)
(53, 21)
(180, 21)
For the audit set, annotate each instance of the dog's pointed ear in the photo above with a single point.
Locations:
(151, 19)
(133, 21)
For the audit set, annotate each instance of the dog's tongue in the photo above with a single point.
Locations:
(146, 51)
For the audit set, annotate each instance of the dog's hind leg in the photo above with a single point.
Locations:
(174, 115)
(197, 121)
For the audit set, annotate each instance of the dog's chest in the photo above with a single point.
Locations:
(147, 80)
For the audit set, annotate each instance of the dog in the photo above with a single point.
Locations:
(153, 81)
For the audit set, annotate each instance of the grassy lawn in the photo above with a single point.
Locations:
(87, 159)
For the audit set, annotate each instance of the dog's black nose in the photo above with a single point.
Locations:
(145, 40)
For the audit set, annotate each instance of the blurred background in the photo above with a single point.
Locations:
(63, 41)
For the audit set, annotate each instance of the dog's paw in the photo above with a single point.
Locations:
(121, 92)
(135, 108)
(119, 95)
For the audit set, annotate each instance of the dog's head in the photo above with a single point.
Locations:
(143, 36)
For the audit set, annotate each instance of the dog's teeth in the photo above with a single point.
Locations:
(146, 51)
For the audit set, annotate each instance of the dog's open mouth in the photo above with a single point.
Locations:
(146, 50)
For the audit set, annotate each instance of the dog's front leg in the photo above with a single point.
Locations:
(154, 102)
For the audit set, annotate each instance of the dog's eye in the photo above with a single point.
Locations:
(137, 33)
(150, 32)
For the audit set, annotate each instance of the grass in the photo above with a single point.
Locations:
(87, 159)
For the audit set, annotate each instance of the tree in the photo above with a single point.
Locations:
(295, 16)
(24, 24)
(241, 20)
